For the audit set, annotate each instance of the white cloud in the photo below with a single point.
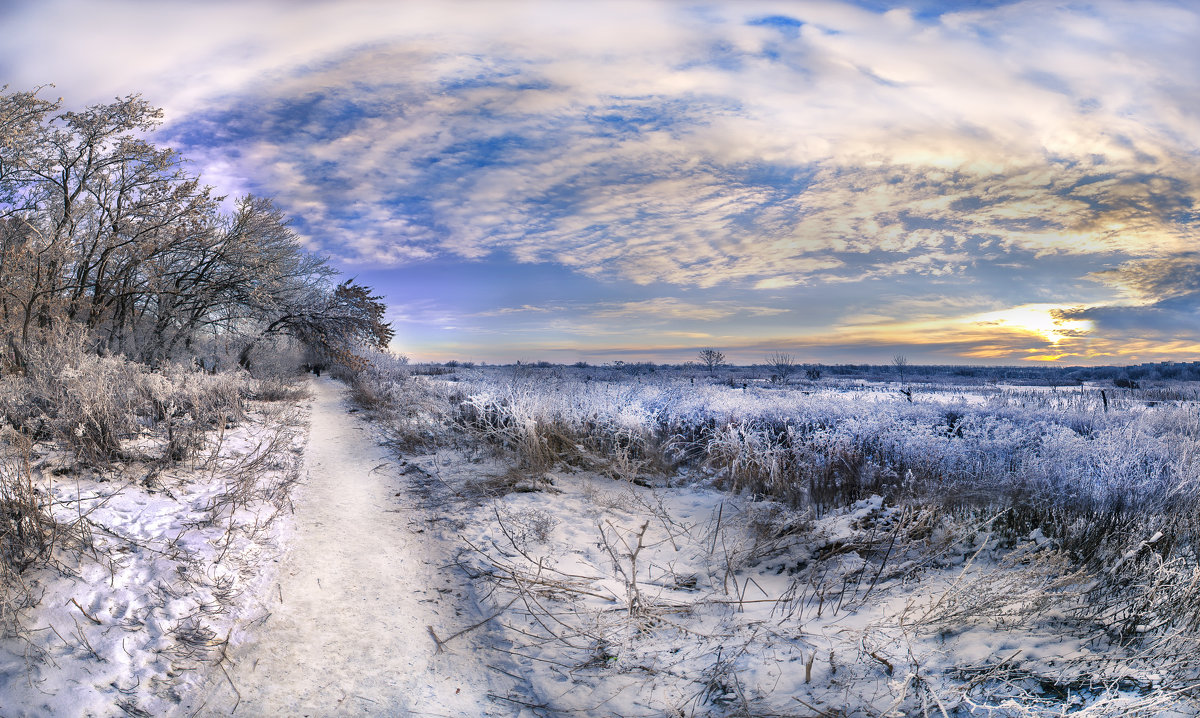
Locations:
(670, 309)
(655, 143)
(646, 312)
(1030, 114)
(776, 283)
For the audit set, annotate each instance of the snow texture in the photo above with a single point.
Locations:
(454, 583)
(355, 598)
(130, 624)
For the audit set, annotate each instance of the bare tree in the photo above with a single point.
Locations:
(901, 363)
(105, 233)
(782, 366)
(711, 359)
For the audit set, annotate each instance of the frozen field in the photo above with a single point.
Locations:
(682, 546)
(547, 542)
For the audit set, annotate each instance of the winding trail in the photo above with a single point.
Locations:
(359, 587)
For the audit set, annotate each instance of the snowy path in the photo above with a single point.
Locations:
(356, 592)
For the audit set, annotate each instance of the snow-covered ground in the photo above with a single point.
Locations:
(346, 624)
(216, 589)
(448, 582)
(130, 622)
(622, 590)
(617, 599)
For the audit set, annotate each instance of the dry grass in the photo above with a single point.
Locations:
(104, 409)
(28, 531)
(135, 430)
(1112, 495)
(276, 389)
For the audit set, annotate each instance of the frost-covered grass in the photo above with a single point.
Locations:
(139, 508)
(848, 550)
(1050, 459)
(106, 409)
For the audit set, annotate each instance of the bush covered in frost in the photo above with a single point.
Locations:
(1078, 465)
(99, 407)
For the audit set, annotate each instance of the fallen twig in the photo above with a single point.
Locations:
(86, 615)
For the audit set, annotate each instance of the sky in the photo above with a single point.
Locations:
(958, 182)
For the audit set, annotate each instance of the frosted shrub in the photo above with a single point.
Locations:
(187, 404)
(376, 384)
(755, 462)
(1026, 460)
(89, 405)
(515, 421)
(412, 410)
(28, 530)
(274, 389)
(525, 526)
(93, 406)
(545, 418)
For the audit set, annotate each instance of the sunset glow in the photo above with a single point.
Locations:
(1038, 319)
(995, 182)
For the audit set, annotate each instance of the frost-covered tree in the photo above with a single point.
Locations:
(711, 359)
(335, 326)
(782, 366)
(105, 232)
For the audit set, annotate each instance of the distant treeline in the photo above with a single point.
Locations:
(1183, 371)
(1041, 375)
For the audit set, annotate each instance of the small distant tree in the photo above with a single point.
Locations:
(813, 373)
(901, 363)
(711, 359)
(782, 366)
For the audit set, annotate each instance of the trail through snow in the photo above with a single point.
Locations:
(361, 583)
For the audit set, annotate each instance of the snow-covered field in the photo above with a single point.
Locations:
(130, 623)
(518, 543)
(668, 548)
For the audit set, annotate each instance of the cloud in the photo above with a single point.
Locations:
(426, 312)
(523, 309)
(891, 309)
(632, 316)
(1016, 331)
(776, 283)
(1155, 280)
(1158, 312)
(762, 148)
(670, 309)
(728, 149)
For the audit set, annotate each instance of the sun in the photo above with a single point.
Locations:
(1039, 319)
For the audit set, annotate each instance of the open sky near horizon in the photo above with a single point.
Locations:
(961, 182)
